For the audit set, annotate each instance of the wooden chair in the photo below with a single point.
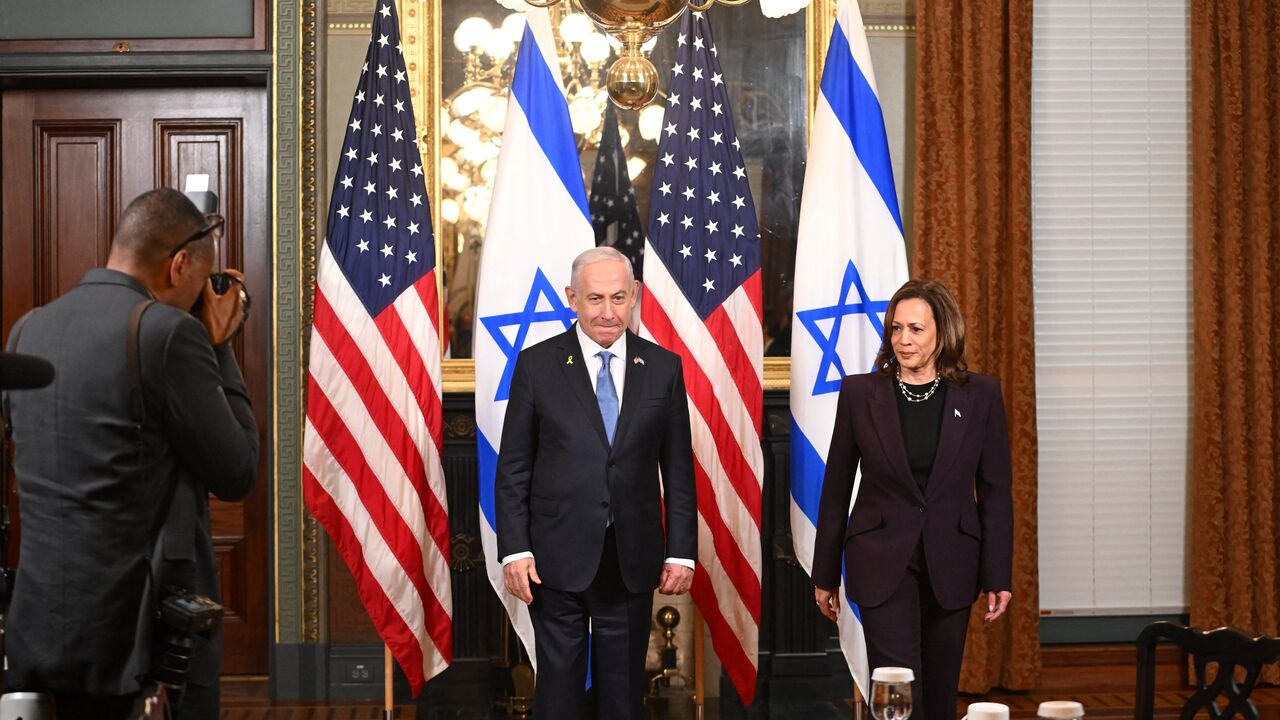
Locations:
(1227, 648)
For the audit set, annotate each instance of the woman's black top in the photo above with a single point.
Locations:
(921, 426)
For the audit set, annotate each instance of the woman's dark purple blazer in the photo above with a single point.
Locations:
(965, 512)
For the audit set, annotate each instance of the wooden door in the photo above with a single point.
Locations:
(72, 161)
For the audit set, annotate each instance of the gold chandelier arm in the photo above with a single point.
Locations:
(702, 8)
(548, 3)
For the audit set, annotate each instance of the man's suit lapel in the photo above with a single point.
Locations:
(888, 425)
(956, 414)
(577, 376)
(633, 380)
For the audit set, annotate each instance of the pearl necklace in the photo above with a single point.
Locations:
(913, 397)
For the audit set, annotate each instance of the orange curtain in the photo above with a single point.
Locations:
(973, 233)
(1235, 218)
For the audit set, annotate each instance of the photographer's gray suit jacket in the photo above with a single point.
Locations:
(79, 615)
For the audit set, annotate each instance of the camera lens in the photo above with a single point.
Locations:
(221, 282)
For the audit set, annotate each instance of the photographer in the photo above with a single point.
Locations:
(114, 492)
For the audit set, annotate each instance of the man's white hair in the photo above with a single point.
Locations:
(595, 255)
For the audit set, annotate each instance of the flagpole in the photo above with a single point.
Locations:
(699, 682)
(387, 695)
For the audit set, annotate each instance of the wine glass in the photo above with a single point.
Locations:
(891, 693)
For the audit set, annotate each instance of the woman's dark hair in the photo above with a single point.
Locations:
(946, 315)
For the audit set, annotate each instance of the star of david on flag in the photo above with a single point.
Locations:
(850, 258)
(813, 321)
(538, 223)
(553, 310)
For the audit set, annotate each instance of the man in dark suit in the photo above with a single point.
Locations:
(593, 415)
(114, 493)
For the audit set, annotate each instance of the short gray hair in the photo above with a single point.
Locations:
(595, 255)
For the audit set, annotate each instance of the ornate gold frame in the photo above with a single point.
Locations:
(420, 20)
(299, 565)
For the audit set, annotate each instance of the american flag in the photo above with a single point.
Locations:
(371, 454)
(702, 300)
(614, 215)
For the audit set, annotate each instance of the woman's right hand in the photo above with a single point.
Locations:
(828, 602)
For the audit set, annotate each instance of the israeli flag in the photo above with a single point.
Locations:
(850, 258)
(538, 223)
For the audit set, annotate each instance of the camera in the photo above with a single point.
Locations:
(223, 282)
(180, 616)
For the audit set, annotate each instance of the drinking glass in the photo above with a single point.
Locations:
(891, 693)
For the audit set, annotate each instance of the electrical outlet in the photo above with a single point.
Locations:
(359, 672)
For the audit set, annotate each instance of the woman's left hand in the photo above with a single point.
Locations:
(997, 603)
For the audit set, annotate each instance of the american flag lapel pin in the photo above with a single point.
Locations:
(637, 360)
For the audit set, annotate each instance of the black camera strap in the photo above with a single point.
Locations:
(133, 345)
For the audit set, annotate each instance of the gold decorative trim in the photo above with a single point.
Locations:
(309, 199)
(891, 29)
(459, 376)
(777, 373)
(820, 19)
(353, 26)
(278, 33)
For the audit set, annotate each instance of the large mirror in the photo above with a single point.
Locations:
(461, 55)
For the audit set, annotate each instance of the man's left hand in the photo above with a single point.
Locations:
(676, 579)
(222, 314)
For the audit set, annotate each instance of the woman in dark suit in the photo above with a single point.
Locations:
(932, 524)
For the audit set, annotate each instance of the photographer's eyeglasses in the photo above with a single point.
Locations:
(213, 225)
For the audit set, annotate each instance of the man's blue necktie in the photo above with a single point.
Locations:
(607, 395)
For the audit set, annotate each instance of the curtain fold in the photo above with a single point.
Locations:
(1235, 218)
(973, 233)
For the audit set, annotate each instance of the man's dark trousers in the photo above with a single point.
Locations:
(619, 640)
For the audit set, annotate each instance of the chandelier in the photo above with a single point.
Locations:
(473, 116)
(632, 79)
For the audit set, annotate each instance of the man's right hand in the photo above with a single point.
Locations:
(517, 574)
(828, 603)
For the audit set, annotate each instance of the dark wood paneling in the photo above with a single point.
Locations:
(217, 143)
(71, 160)
(213, 148)
(479, 620)
(790, 620)
(78, 174)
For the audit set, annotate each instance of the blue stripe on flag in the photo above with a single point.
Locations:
(549, 121)
(488, 461)
(858, 109)
(807, 471)
(848, 601)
